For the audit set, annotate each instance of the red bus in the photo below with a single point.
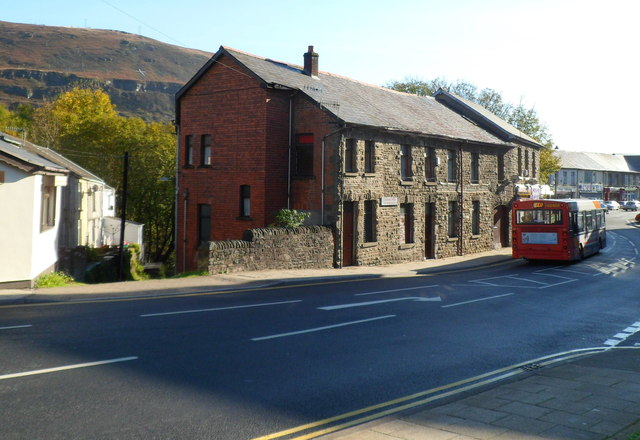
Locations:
(567, 229)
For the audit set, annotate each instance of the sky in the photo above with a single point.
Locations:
(574, 61)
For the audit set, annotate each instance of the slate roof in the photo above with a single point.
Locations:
(35, 162)
(597, 161)
(52, 157)
(486, 119)
(354, 102)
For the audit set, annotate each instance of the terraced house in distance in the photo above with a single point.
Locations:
(399, 177)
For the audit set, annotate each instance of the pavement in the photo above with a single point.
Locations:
(580, 395)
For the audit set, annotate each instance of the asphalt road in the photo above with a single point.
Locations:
(245, 365)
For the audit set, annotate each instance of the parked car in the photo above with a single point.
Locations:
(631, 205)
(612, 205)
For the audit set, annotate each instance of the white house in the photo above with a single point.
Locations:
(30, 193)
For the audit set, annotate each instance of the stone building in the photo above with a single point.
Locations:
(399, 177)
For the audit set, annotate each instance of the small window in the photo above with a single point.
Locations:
(501, 173)
(204, 223)
(245, 201)
(351, 156)
(475, 218)
(453, 220)
(370, 221)
(188, 150)
(406, 162)
(205, 150)
(48, 203)
(303, 155)
(452, 166)
(430, 165)
(519, 161)
(406, 212)
(475, 168)
(534, 167)
(369, 157)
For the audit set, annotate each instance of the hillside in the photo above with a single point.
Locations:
(140, 74)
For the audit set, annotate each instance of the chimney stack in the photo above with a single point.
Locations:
(311, 62)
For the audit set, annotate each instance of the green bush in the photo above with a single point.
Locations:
(290, 218)
(54, 279)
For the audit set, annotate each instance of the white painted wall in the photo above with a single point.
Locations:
(25, 252)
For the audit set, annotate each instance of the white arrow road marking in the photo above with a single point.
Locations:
(67, 367)
(317, 329)
(370, 303)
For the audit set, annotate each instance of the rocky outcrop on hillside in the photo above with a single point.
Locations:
(141, 75)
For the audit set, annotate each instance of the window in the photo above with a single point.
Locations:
(452, 167)
(48, 203)
(370, 221)
(519, 161)
(188, 150)
(406, 212)
(369, 157)
(204, 223)
(526, 163)
(534, 168)
(205, 150)
(475, 218)
(453, 220)
(500, 167)
(475, 168)
(430, 165)
(245, 201)
(351, 156)
(406, 162)
(303, 155)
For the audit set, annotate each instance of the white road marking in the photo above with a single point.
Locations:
(220, 308)
(395, 290)
(16, 326)
(622, 336)
(370, 303)
(67, 367)
(317, 329)
(476, 300)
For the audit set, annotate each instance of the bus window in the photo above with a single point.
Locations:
(588, 220)
(539, 217)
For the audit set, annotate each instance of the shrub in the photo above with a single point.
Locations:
(54, 279)
(290, 218)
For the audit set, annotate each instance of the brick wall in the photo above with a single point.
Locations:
(306, 247)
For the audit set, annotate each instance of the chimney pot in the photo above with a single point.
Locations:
(311, 62)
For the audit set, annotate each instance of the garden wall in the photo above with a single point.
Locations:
(304, 247)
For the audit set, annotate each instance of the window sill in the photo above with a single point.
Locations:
(369, 174)
(406, 182)
(351, 174)
(244, 218)
(369, 244)
(476, 237)
(430, 183)
(407, 246)
(187, 166)
(452, 239)
(204, 166)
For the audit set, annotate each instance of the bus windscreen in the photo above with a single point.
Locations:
(539, 217)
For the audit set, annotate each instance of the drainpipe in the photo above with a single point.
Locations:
(290, 146)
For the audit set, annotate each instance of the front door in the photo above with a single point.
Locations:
(429, 228)
(500, 227)
(348, 233)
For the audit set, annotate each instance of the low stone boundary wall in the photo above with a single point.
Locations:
(305, 247)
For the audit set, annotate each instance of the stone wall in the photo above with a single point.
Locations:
(305, 247)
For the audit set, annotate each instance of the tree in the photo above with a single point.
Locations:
(523, 118)
(84, 125)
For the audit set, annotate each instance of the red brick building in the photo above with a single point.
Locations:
(400, 177)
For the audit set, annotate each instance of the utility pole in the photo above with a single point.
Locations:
(123, 215)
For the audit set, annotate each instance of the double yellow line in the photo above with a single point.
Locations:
(357, 417)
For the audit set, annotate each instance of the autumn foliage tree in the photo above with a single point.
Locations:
(523, 118)
(83, 125)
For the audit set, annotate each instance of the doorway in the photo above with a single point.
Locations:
(429, 230)
(500, 227)
(348, 233)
